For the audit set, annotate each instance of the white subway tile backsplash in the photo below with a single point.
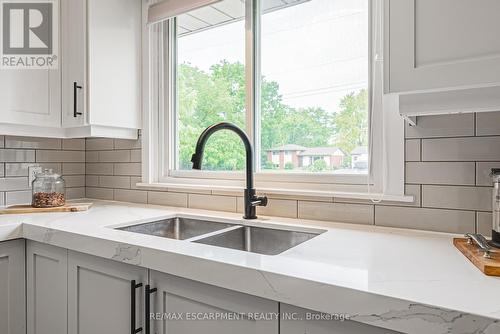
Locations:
(456, 197)
(412, 150)
(2, 170)
(336, 212)
(2, 198)
(97, 144)
(34, 143)
(456, 125)
(484, 223)
(439, 220)
(12, 155)
(210, 202)
(2, 142)
(60, 156)
(454, 173)
(483, 171)
(488, 123)
(168, 198)
(461, 149)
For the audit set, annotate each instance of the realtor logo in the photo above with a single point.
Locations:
(29, 34)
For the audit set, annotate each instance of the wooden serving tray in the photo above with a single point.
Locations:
(70, 207)
(490, 267)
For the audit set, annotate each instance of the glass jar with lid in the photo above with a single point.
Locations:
(48, 190)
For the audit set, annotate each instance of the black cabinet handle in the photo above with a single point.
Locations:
(133, 287)
(75, 99)
(147, 308)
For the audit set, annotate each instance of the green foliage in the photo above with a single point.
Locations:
(218, 95)
(318, 166)
(289, 165)
(351, 123)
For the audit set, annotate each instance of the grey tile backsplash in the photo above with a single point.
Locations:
(66, 157)
(448, 159)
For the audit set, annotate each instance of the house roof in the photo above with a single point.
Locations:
(289, 147)
(320, 151)
(360, 150)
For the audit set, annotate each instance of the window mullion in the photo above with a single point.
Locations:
(252, 66)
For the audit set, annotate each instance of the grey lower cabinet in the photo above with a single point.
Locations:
(46, 283)
(75, 293)
(100, 295)
(182, 306)
(12, 287)
(297, 320)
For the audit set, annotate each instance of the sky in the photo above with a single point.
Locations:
(317, 51)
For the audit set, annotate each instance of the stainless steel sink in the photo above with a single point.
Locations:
(176, 228)
(258, 239)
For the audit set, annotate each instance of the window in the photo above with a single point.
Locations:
(210, 68)
(314, 66)
(302, 78)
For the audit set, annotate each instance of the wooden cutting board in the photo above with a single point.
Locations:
(490, 267)
(70, 207)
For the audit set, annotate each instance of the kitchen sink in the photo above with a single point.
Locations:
(176, 228)
(258, 239)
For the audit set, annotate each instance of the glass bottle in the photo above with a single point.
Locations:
(48, 190)
(495, 233)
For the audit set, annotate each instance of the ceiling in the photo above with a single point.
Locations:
(224, 12)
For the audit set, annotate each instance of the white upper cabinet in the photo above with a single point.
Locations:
(96, 89)
(102, 67)
(434, 45)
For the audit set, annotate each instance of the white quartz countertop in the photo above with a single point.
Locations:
(408, 281)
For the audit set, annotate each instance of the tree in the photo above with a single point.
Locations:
(207, 97)
(351, 123)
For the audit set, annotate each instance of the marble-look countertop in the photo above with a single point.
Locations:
(404, 280)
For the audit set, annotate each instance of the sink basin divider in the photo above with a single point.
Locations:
(207, 235)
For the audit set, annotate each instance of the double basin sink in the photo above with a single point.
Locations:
(255, 239)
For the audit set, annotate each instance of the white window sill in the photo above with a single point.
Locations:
(276, 191)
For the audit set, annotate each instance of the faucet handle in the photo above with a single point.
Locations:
(259, 201)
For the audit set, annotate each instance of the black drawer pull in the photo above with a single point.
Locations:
(147, 308)
(75, 99)
(133, 287)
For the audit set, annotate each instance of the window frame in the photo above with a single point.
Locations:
(159, 162)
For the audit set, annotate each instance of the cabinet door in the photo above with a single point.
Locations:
(437, 44)
(187, 303)
(74, 61)
(115, 46)
(294, 321)
(12, 288)
(99, 295)
(46, 288)
(30, 97)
